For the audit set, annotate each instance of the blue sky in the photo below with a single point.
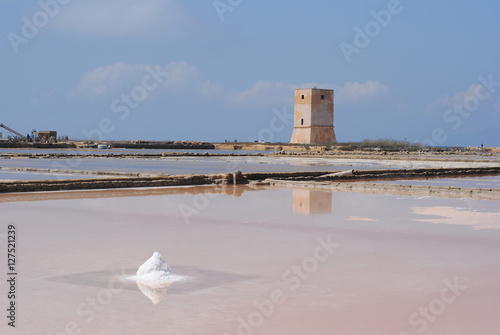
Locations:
(226, 69)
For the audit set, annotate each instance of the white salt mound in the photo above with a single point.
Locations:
(155, 269)
(154, 278)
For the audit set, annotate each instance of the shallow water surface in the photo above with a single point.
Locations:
(472, 182)
(276, 261)
(92, 151)
(208, 165)
(23, 175)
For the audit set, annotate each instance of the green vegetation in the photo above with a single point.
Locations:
(384, 145)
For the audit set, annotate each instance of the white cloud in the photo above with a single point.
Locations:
(120, 77)
(179, 73)
(402, 107)
(264, 94)
(448, 101)
(110, 78)
(272, 94)
(121, 17)
(209, 88)
(352, 92)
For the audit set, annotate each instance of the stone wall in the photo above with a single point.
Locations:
(291, 178)
(108, 183)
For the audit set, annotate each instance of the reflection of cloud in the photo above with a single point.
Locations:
(359, 218)
(451, 215)
(154, 291)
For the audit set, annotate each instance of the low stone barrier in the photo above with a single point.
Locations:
(107, 183)
(313, 179)
(357, 175)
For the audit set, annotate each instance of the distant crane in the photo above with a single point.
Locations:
(21, 136)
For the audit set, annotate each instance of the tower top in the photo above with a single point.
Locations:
(315, 88)
(311, 95)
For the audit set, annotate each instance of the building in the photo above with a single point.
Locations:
(48, 136)
(313, 120)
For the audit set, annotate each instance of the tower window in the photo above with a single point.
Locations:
(302, 96)
(301, 122)
(322, 97)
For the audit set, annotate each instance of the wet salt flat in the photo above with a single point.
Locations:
(278, 261)
(92, 151)
(202, 165)
(82, 151)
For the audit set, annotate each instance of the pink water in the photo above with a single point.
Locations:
(258, 262)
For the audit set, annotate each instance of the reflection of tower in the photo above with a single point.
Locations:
(313, 117)
(311, 202)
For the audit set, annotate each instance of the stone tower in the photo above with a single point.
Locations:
(313, 121)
